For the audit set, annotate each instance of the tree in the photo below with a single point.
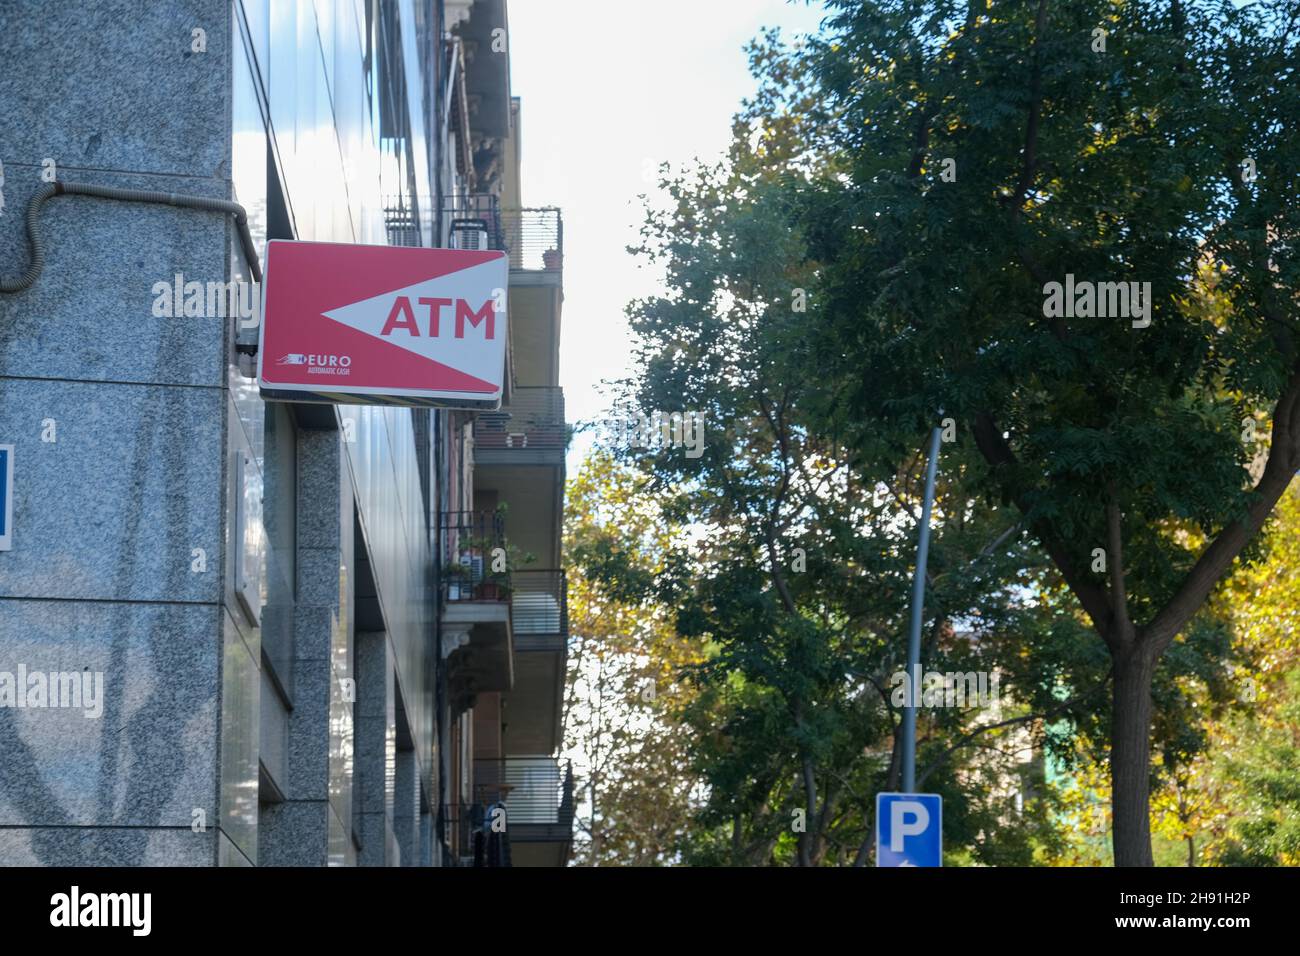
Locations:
(1225, 793)
(1242, 792)
(625, 690)
(1257, 741)
(795, 581)
(1137, 142)
(1266, 765)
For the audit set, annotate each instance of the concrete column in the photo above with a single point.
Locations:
(312, 827)
(375, 748)
(406, 808)
(428, 854)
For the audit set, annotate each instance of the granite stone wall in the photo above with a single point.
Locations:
(119, 421)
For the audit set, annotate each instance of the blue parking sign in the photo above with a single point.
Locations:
(909, 829)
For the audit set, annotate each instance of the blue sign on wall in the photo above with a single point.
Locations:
(909, 829)
(6, 496)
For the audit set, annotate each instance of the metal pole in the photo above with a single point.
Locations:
(914, 632)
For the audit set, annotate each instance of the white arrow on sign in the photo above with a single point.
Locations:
(429, 328)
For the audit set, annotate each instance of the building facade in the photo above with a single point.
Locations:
(297, 634)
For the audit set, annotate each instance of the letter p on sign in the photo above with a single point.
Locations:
(909, 829)
(900, 811)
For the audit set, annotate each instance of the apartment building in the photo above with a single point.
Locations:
(322, 634)
(504, 619)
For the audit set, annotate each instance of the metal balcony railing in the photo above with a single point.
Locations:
(473, 222)
(468, 542)
(407, 220)
(472, 838)
(539, 602)
(533, 790)
(566, 797)
(533, 419)
(534, 238)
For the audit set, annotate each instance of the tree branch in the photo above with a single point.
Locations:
(1042, 715)
(1283, 459)
(996, 451)
(810, 796)
(1030, 162)
(1115, 562)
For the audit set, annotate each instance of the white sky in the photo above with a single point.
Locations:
(609, 89)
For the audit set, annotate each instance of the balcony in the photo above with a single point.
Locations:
(528, 431)
(473, 840)
(468, 543)
(539, 610)
(538, 799)
(521, 815)
(476, 636)
(474, 223)
(519, 461)
(407, 221)
(535, 240)
(533, 237)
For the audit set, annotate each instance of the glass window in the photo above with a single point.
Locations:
(248, 144)
(257, 17)
(279, 505)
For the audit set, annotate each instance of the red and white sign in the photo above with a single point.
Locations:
(376, 324)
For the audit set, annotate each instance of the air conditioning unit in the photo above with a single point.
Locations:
(469, 234)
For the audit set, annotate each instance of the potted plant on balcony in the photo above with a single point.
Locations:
(551, 260)
(459, 580)
(491, 580)
(470, 573)
(496, 586)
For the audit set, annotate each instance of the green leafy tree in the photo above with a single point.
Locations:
(988, 149)
(796, 577)
(626, 694)
(1265, 763)
(1238, 802)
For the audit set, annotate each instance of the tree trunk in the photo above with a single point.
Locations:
(810, 814)
(895, 775)
(1130, 756)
